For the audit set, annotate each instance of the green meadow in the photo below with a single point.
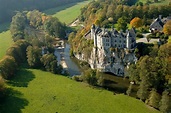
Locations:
(5, 42)
(35, 91)
(67, 13)
(160, 2)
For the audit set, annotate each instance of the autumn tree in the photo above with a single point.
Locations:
(167, 28)
(136, 22)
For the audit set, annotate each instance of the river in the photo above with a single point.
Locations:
(63, 57)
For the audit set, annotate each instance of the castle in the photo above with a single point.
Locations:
(113, 50)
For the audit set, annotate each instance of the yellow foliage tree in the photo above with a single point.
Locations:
(167, 28)
(136, 22)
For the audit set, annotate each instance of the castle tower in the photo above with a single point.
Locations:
(93, 35)
(128, 40)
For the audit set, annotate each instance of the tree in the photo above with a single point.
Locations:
(165, 105)
(55, 28)
(167, 28)
(35, 18)
(8, 67)
(2, 86)
(143, 90)
(90, 76)
(34, 56)
(122, 24)
(136, 22)
(134, 73)
(129, 90)
(50, 63)
(154, 99)
(18, 51)
(17, 26)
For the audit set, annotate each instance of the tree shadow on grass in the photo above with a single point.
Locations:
(12, 103)
(22, 78)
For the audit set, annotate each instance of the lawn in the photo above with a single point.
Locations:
(67, 13)
(5, 42)
(161, 2)
(36, 91)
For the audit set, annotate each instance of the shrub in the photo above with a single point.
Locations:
(90, 77)
(77, 78)
(139, 35)
(2, 87)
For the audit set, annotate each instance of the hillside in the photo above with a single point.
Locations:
(39, 91)
(10, 7)
(67, 13)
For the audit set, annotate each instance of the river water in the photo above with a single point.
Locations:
(63, 57)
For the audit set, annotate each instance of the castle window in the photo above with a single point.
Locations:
(107, 44)
(107, 40)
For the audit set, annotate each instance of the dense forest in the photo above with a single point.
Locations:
(9, 7)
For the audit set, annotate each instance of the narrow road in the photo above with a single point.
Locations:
(144, 40)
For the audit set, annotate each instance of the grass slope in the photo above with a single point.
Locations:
(38, 91)
(68, 12)
(5, 42)
(161, 2)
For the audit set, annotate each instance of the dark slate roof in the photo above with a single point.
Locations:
(157, 20)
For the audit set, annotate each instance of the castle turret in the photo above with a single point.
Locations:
(92, 31)
(128, 41)
(93, 35)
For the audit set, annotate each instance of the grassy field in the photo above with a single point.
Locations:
(67, 13)
(35, 91)
(161, 2)
(5, 42)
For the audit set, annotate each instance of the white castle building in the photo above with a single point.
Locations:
(113, 50)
